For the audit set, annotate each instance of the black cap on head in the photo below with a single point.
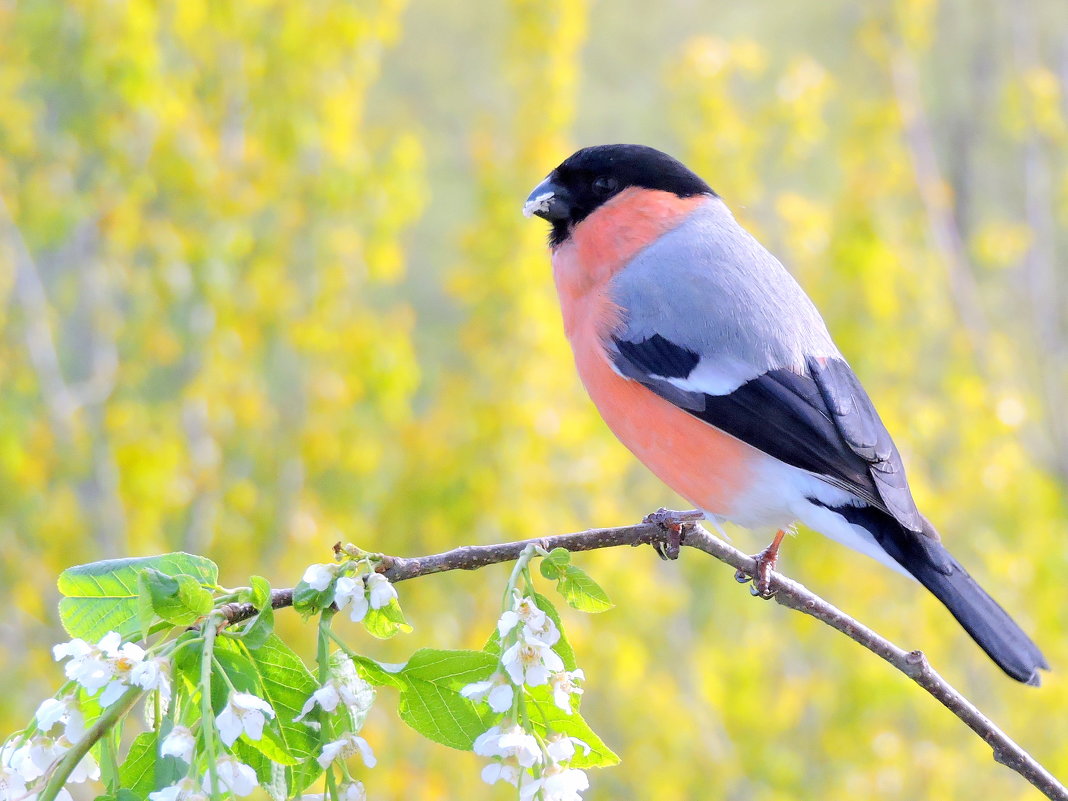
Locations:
(593, 175)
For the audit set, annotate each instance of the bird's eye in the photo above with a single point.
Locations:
(605, 185)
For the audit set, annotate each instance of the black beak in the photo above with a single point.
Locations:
(549, 201)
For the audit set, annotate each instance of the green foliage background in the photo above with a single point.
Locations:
(264, 285)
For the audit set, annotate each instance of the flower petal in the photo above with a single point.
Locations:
(229, 725)
(500, 698)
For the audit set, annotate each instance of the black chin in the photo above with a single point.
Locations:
(560, 231)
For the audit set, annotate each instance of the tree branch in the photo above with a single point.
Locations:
(786, 592)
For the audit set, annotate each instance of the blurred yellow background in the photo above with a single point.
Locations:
(264, 285)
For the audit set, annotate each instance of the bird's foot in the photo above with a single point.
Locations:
(673, 524)
(764, 564)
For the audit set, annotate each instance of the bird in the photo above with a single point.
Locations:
(710, 363)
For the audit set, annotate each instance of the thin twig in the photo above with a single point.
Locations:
(786, 592)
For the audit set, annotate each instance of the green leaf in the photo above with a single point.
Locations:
(582, 592)
(260, 594)
(386, 622)
(430, 701)
(146, 614)
(256, 631)
(552, 566)
(375, 672)
(122, 794)
(238, 667)
(103, 596)
(547, 718)
(187, 658)
(286, 684)
(272, 746)
(493, 644)
(177, 599)
(309, 601)
(144, 771)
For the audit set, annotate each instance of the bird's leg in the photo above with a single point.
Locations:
(765, 563)
(673, 524)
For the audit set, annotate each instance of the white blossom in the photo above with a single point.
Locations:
(350, 791)
(36, 757)
(326, 697)
(536, 625)
(318, 577)
(108, 665)
(16, 760)
(486, 743)
(77, 649)
(87, 768)
(124, 658)
(50, 712)
(520, 744)
(185, 790)
(33, 759)
(501, 772)
(89, 665)
(112, 693)
(563, 687)
(153, 674)
(12, 757)
(561, 748)
(497, 691)
(234, 776)
(508, 743)
(343, 687)
(349, 745)
(12, 785)
(66, 711)
(560, 784)
(179, 743)
(352, 591)
(555, 784)
(380, 590)
(356, 694)
(531, 662)
(244, 712)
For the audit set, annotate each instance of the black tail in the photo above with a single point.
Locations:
(936, 569)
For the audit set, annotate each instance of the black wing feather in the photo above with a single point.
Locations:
(821, 420)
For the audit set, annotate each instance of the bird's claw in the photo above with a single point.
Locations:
(674, 526)
(764, 564)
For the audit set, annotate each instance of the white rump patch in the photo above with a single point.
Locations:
(780, 494)
(835, 527)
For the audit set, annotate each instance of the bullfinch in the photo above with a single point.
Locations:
(711, 364)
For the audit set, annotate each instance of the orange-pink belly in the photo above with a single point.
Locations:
(707, 467)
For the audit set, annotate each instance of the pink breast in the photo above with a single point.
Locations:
(704, 465)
